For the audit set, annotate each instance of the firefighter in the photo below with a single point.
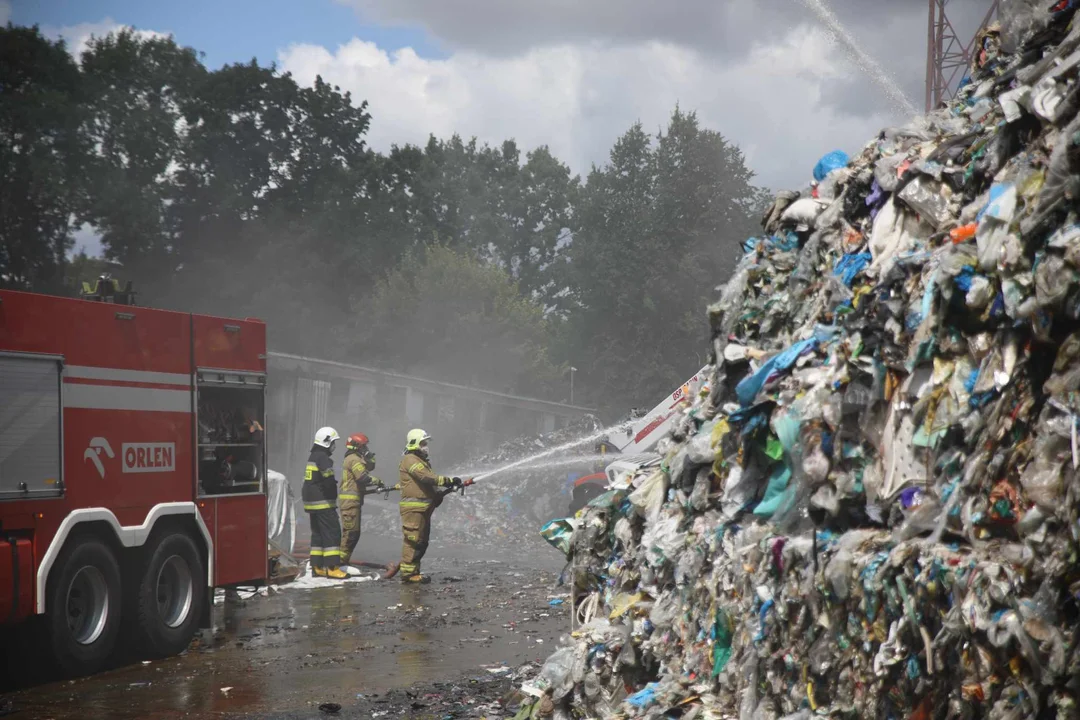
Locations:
(355, 478)
(320, 503)
(421, 493)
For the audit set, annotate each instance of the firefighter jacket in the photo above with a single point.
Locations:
(320, 486)
(419, 485)
(354, 479)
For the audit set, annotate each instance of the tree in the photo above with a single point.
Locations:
(444, 314)
(138, 91)
(485, 201)
(42, 158)
(269, 164)
(659, 229)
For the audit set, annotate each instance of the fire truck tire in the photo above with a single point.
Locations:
(170, 595)
(84, 606)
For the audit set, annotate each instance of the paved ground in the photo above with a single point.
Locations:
(374, 648)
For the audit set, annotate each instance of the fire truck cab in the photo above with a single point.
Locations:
(132, 470)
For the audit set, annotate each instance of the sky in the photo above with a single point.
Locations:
(770, 75)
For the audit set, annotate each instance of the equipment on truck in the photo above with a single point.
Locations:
(119, 501)
(632, 443)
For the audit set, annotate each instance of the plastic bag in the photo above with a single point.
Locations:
(556, 675)
(649, 497)
(830, 162)
(927, 197)
(558, 534)
(803, 211)
(624, 533)
(699, 498)
(689, 566)
(662, 540)
(699, 451)
(644, 697)
(1043, 479)
(885, 171)
(1054, 279)
(664, 611)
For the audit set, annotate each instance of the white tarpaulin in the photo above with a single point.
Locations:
(280, 513)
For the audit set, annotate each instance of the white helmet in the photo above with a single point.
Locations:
(327, 436)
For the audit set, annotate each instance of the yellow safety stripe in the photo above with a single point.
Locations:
(347, 496)
(316, 552)
(319, 506)
(414, 504)
(407, 569)
(309, 471)
(332, 551)
(327, 473)
(417, 466)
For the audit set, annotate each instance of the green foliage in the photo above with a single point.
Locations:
(487, 201)
(43, 157)
(661, 223)
(138, 91)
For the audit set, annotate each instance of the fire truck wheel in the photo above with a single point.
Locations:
(171, 594)
(84, 600)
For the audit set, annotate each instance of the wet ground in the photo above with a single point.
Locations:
(377, 649)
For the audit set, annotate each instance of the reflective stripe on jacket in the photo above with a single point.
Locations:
(320, 486)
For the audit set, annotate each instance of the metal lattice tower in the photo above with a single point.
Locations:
(947, 57)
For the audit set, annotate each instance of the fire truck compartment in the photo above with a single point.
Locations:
(29, 426)
(231, 416)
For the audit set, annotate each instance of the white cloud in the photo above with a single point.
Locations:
(77, 37)
(578, 98)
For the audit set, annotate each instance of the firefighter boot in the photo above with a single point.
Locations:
(318, 571)
(417, 579)
(336, 574)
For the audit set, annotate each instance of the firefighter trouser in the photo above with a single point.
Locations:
(325, 538)
(416, 529)
(350, 529)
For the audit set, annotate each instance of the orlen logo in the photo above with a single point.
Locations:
(93, 453)
(148, 457)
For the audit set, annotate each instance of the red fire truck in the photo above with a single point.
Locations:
(132, 469)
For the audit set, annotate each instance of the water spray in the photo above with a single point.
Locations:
(861, 58)
(532, 459)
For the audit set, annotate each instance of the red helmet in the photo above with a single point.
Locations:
(356, 441)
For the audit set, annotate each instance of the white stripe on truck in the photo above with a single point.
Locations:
(112, 397)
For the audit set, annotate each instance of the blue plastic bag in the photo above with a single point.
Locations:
(751, 385)
(643, 697)
(849, 266)
(833, 161)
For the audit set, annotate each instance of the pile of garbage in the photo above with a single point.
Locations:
(873, 511)
(504, 509)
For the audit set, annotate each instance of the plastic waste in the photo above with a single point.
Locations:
(833, 161)
(649, 496)
(928, 198)
(875, 511)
